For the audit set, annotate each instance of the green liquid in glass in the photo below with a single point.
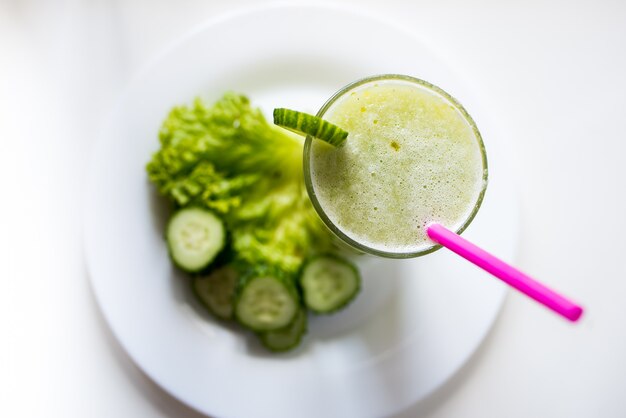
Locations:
(412, 157)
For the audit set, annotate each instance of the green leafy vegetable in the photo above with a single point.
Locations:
(229, 159)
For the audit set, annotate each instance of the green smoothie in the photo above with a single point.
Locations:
(412, 156)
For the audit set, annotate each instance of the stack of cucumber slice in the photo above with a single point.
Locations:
(262, 299)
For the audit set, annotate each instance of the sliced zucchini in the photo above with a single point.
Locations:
(195, 236)
(286, 338)
(305, 124)
(329, 283)
(266, 300)
(217, 290)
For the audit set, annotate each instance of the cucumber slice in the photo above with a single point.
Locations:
(305, 124)
(266, 301)
(217, 290)
(195, 237)
(286, 338)
(329, 283)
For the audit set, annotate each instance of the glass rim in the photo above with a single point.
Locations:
(320, 210)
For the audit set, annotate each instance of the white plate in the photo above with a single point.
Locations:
(415, 323)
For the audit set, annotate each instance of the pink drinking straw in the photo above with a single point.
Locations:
(505, 272)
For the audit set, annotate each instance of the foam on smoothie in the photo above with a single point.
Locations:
(410, 158)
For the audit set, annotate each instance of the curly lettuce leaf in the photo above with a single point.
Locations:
(228, 158)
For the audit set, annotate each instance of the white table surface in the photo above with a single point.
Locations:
(554, 77)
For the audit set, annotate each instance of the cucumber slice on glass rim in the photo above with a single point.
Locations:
(305, 124)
